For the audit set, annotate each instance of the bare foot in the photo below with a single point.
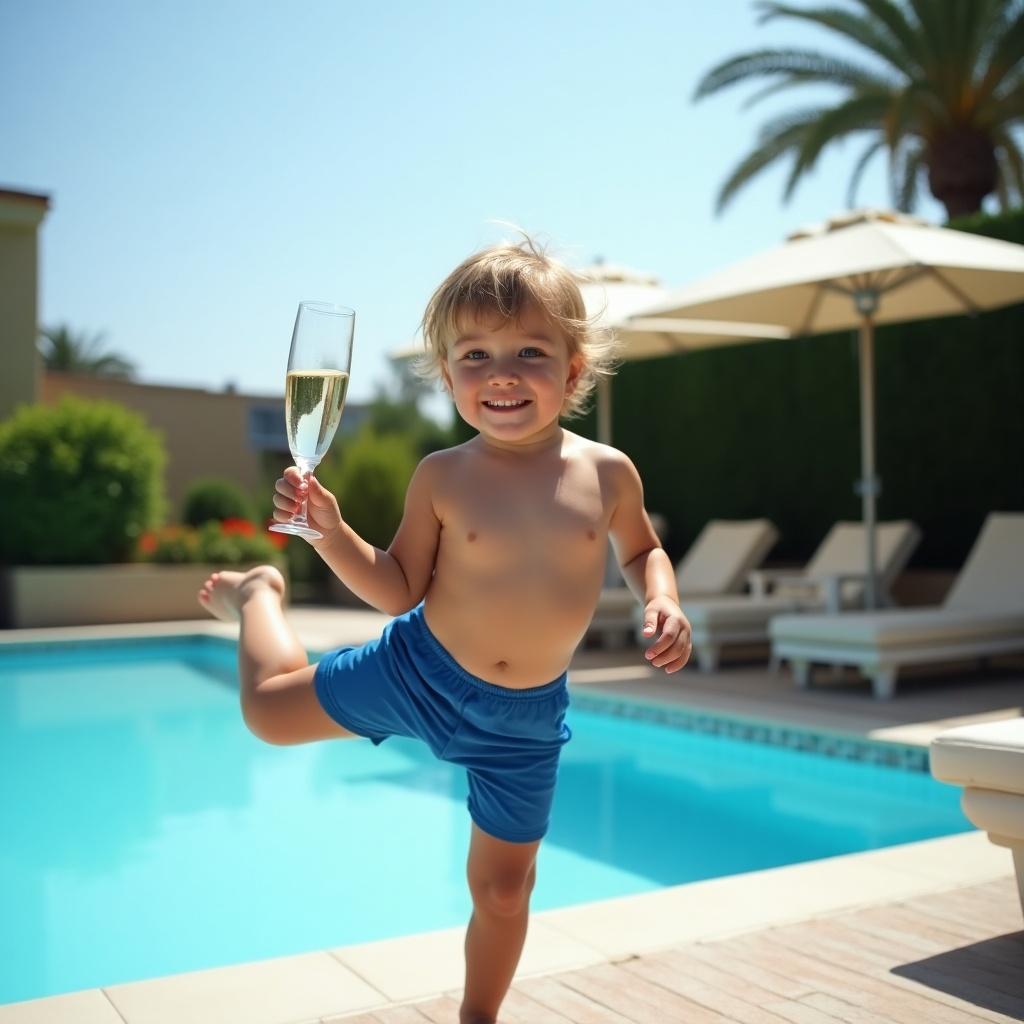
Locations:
(224, 593)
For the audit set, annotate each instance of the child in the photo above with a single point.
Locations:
(493, 576)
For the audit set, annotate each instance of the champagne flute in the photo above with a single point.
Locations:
(318, 367)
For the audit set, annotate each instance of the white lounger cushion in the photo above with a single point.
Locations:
(724, 552)
(988, 755)
(717, 562)
(987, 759)
(844, 552)
(741, 618)
(993, 575)
(983, 615)
(896, 628)
(716, 612)
(999, 814)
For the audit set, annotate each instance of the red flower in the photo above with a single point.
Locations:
(148, 542)
(279, 540)
(238, 528)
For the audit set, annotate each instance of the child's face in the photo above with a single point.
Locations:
(509, 380)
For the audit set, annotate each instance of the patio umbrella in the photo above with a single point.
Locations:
(860, 269)
(611, 293)
(614, 295)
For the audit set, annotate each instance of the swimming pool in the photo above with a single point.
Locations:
(146, 832)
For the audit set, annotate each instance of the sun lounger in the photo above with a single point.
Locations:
(983, 615)
(832, 580)
(717, 562)
(987, 759)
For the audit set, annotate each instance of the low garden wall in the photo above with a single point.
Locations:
(79, 595)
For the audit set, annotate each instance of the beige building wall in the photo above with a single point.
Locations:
(21, 213)
(206, 433)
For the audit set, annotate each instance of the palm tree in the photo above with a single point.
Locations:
(70, 352)
(941, 90)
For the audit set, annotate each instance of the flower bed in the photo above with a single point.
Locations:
(162, 585)
(226, 542)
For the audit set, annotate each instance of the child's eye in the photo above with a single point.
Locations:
(475, 354)
(531, 350)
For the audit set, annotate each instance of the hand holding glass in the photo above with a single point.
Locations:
(318, 367)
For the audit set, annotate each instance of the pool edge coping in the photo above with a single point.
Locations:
(564, 939)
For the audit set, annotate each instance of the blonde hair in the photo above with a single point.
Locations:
(502, 281)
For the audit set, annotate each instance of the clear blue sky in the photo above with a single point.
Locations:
(212, 163)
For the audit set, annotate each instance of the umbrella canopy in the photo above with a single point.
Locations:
(616, 295)
(806, 285)
(860, 269)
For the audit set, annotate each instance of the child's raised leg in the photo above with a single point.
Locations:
(501, 877)
(279, 704)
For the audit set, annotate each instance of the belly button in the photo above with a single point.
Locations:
(502, 665)
(471, 536)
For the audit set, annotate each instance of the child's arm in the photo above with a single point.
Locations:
(648, 571)
(392, 581)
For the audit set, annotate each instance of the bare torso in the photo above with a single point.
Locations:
(521, 557)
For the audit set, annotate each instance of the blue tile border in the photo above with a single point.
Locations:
(845, 746)
(97, 645)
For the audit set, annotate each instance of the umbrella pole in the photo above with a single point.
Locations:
(869, 484)
(604, 410)
(612, 574)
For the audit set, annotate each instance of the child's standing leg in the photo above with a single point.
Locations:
(501, 877)
(279, 704)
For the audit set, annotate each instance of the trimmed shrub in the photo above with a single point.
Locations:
(228, 542)
(370, 484)
(80, 481)
(214, 498)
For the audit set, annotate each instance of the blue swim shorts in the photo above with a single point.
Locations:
(508, 740)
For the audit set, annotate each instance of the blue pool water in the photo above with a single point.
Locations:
(146, 832)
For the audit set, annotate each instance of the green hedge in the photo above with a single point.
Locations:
(773, 429)
(80, 481)
(369, 479)
(215, 498)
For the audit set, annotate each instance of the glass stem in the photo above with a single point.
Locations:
(306, 468)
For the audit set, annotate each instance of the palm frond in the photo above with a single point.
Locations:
(871, 35)
(861, 113)
(774, 141)
(954, 35)
(972, 29)
(800, 65)
(111, 366)
(1005, 57)
(904, 115)
(1004, 14)
(893, 17)
(782, 123)
(870, 80)
(905, 175)
(925, 67)
(935, 20)
(69, 352)
(858, 171)
(1006, 105)
(1010, 160)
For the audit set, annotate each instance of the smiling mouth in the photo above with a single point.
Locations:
(506, 403)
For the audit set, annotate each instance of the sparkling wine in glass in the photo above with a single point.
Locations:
(318, 367)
